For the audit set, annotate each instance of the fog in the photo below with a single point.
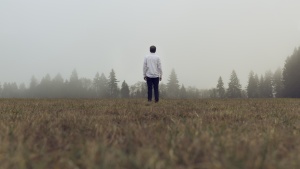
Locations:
(201, 40)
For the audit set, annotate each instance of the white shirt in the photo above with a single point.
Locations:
(152, 66)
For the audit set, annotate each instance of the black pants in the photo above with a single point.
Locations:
(153, 83)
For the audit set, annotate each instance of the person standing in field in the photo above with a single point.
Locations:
(152, 73)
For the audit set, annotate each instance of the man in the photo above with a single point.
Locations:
(152, 73)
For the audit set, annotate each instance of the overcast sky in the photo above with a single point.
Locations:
(201, 40)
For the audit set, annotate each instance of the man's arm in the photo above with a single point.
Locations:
(159, 69)
(145, 68)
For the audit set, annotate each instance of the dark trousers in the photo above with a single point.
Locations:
(153, 83)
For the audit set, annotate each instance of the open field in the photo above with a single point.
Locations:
(132, 134)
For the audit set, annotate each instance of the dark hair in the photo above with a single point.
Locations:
(152, 49)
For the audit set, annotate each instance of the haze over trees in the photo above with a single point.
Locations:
(98, 87)
(282, 83)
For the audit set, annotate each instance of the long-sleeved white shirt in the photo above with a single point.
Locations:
(152, 66)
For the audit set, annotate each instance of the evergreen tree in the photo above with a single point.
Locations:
(234, 87)
(133, 91)
(261, 86)
(256, 79)
(32, 87)
(58, 86)
(10, 90)
(74, 76)
(267, 85)
(277, 83)
(103, 86)
(162, 90)
(144, 90)
(125, 90)
(193, 92)
(74, 86)
(244, 93)
(96, 84)
(252, 88)
(87, 90)
(220, 88)
(33, 83)
(58, 79)
(182, 93)
(213, 93)
(173, 86)
(291, 75)
(44, 89)
(113, 85)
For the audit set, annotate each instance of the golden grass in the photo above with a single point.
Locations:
(133, 134)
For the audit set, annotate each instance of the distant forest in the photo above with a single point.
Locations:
(282, 83)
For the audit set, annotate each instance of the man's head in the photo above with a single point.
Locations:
(152, 49)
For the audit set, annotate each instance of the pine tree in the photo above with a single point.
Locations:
(268, 88)
(96, 84)
(103, 86)
(220, 88)
(265, 85)
(182, 93)
(162, 90)
(291, 75)
(261, 87)
(256, 79)
(234, 87)
(10, 90)
(125, 90)
(58, 80)
(45, 87)
(33, 83)
(277, 83)
(213, 93)
(74, 76)
(113, 85)
(144, 90)
(173, 86)
(74, 86)
(252, 88)
(58, 86)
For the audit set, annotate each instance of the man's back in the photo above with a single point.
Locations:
(152, 66)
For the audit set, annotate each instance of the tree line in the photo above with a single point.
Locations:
(265, 86)
(98, 87)
(282, 83)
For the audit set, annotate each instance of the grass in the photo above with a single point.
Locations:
(133, 134)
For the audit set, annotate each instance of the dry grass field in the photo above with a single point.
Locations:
(132, 134)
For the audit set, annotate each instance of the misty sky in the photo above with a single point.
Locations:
(201, 40)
